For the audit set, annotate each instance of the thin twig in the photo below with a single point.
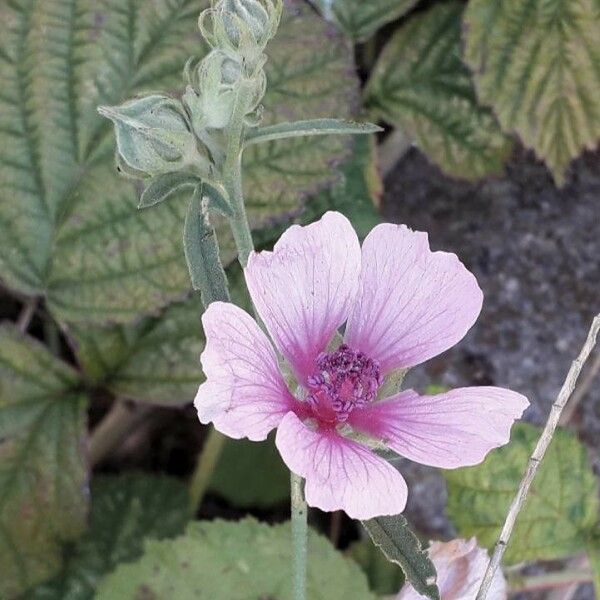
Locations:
(537, 456)
(392, 149)
(26, 314)
(550, 580)
(120, 421)
(581, 390)
(205, 467)
(299, 536)
(568, 592)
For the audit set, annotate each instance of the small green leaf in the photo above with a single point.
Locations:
(385, 577)
(536, 63)
(283, 131)
(401, 546)
(360, 19)
(126, 511)
(164, 186)
(221, 560)
(421, 85)
(560, 511)
(251, 474)
(202, 253)
(43, 475)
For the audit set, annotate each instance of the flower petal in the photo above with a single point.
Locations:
(460, 566)
(412, 303)
(450, 430)
(340, 473)
(244, 394)
(305, 288)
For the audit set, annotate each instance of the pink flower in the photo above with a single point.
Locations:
(402, 304)
(460, 566)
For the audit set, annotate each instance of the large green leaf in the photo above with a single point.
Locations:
(243, 560)
(69, 225)
(537, 63)
(421, 85)
(157, 359)
(126, 510)
(560, 511)
(43, 499)
(360, 19)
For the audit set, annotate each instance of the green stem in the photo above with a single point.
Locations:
(232, 175)
(232, 180)
(207, 462)
(299, 537)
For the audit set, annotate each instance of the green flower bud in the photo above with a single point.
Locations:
(242, 28)
(153, 137)
(213, 87)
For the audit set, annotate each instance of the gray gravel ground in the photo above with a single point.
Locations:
(536, 253)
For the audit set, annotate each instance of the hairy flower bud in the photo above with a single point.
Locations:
(242, 28)
(153, 136)
(212, 88)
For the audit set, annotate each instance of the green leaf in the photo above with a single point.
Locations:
(360, 19)
(43, 424)
(202, 253)
(401, 546)
(251, 475)
(155, 360)
(560, 510)
(537, 64)
(164, 186)
(126, 511)
(421, 85)
(283, 131)
(385, 577)
(69, 223)
(221, 560)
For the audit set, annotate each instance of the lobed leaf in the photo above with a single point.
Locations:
(69, 223)
(221, 560)
(43, 475)
(421, 86)
(126, 511)
(560, 511)
(359, 19)
(537, 64)
(393, 536)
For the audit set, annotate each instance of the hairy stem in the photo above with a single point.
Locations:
(232, 175)
(232, 180)
(121, 420)
(299, 537)
(207, 461)
(537, 456)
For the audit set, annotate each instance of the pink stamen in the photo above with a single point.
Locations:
(345, 379)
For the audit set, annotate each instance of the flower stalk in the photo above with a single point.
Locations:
(299, 536)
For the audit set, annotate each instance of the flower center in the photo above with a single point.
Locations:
(345, 379)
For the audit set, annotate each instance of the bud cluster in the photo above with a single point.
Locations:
(237, 32)
(158, 134)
